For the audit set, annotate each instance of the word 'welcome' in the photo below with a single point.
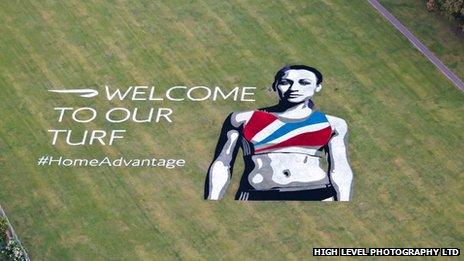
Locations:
(180, 93)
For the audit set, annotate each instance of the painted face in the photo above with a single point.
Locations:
(297, 85)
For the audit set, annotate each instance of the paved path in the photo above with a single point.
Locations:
(426, 52)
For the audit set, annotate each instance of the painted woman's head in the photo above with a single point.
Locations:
(297, 83)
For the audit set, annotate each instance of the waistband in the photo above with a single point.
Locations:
(316, 194)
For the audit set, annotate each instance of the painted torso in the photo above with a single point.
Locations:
(285, 154)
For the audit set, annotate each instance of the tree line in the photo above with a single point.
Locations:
(453, 9)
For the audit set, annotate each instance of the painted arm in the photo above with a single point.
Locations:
(220, 170)
(340, 170)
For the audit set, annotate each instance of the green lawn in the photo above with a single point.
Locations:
(437, 32)
(405, 122)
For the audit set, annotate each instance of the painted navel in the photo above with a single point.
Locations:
(286, 173)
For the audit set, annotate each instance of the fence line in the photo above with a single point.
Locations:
(13, 233)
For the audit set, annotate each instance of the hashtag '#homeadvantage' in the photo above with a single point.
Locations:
(168, 163)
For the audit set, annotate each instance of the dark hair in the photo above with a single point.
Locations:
(282, 71)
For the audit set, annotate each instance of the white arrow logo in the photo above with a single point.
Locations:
(87, 93)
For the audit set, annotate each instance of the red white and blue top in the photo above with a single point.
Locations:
(265, 132)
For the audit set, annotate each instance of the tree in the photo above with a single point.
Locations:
(451, 8)
(3, 229)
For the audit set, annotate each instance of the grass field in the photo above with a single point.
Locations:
(405, 123)
(435, 31)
